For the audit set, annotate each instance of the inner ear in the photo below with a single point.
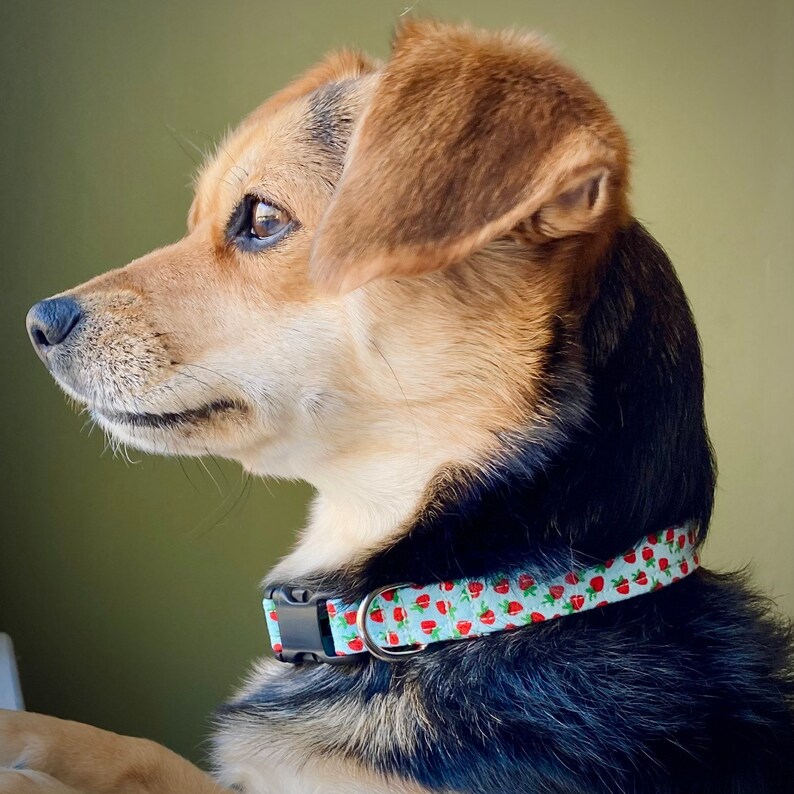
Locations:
(576, 208)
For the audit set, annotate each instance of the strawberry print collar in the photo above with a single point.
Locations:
(399, 620)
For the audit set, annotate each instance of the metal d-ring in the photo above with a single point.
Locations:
(361, 624)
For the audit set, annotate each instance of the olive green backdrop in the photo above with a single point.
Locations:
(131, 587)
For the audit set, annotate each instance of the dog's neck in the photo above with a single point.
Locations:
(639, 463)
(357, 511)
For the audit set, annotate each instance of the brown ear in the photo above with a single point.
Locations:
(467, 135)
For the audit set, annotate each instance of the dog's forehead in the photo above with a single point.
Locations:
(302, 129)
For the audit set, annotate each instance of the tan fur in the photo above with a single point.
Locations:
(335, 67)
(79, 757)
(367, 394)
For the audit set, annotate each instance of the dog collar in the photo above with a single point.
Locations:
(399, 620)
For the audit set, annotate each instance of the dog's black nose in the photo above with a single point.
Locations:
(51, 321)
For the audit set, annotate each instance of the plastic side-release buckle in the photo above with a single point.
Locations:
(304, 627)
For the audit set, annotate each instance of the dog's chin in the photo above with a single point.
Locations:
(217, 427)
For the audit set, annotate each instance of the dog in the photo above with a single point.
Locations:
(418, 286)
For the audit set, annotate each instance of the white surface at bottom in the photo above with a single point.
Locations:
(10, 691)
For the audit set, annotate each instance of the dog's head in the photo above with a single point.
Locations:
(387, 268)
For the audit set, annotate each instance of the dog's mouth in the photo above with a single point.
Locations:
(179, 419)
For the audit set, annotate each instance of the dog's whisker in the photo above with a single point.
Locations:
(405, 398)
(209, 474)
(234, 169)
(187, 475)
(220, 147)
(221, 512)
(179, 138)
(214, 460)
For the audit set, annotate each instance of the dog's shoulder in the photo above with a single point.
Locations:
(699, 685)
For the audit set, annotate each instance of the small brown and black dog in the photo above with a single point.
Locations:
(418, 286)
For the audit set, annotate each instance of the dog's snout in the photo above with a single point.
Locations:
(51, 321)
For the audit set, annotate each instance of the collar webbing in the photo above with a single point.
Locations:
(412, 616)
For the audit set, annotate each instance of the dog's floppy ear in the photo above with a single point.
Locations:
(467, 135)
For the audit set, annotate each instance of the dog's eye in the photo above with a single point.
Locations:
(267, 220)
(257, 224)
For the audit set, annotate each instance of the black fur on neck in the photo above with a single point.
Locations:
(639, 462)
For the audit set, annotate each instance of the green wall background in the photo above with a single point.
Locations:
(131, 588)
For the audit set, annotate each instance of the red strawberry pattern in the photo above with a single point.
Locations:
(575, 603)
(596, 586)
(414, 615)
(621, 585)
(512, 607)
(527, 585)
(555, 594)
(488, 617)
